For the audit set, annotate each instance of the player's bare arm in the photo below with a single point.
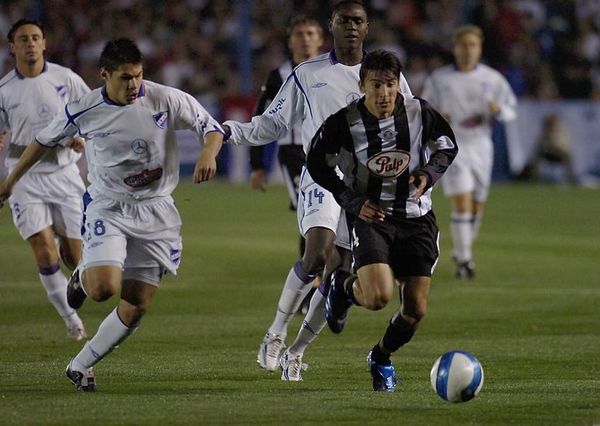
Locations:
(206, 165)
(30, 156)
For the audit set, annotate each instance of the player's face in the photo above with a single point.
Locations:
(29, 44)
(467, 51)
(349, 27)
(305, 41)
(123, 84)
(381, 90)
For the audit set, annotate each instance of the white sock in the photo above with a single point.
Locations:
(462, 235)
(110, 334)
(55, 284)
(476, 221)
(297, 285)
(312, 325)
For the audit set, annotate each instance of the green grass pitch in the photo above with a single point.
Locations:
(531, 316)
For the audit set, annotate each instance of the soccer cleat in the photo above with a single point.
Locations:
(384, 377)
(76, 331)
(465, 270)
(75, 294)
(292, 367)
(269, 352)
(83, 381)
(337, 303)
(370, 362)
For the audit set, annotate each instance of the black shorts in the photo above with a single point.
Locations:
(409, 246)
(291, 159)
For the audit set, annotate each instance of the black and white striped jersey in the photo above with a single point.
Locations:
(377, 156)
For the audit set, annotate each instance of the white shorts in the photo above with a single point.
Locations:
(471, 171)
(40, 200)
(143, 235)
(318, 208)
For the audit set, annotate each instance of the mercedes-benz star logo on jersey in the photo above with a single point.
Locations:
(389, 164)
(43, 110)
(139, 146)
(388, 135)
(351, 97)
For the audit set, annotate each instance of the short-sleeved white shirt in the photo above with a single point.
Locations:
(131, 149)
(27, 105)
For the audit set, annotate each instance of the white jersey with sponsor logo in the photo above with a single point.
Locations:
(315, 90)
(463, 98)
(27, 105)
(131, 149)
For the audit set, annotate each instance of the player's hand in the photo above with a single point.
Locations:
(77, 144)
(419, 183)
(5, 189)
(371, 212)
(205, 168)
(494, 107)
(2, 139)
(258, 180)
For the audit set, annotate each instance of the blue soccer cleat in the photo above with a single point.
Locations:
(384, 377)
(338, 303)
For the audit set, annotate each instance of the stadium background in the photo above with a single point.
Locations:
(221, 52)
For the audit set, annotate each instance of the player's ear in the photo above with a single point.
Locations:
(330, 26)
(103, 74)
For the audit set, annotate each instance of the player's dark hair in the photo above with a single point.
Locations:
(338, 6)
(20, 23)
(304, 20)
(118, 52)
(380, 60)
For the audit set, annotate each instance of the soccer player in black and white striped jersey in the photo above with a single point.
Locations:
(391, 150)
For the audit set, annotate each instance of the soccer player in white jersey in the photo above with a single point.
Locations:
(471, 96)
(132, 227)
(47, 202)
(391, 150)
(316, 89)
(305, 38)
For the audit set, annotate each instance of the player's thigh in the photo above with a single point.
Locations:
(376, 281)
(316, 206)
(482, 174)
(458, 178)
(415, 249)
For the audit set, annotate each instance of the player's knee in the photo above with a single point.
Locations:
(378, 297)
(101, 289)
(415, 314)
(315, 261)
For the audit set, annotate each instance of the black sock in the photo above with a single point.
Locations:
(398, 333)
(348, 287)
(379, 357)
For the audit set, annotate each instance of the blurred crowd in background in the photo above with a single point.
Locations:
(547, 49)
(217, 50)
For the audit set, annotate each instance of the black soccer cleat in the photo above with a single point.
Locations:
(83, 381)
(338, 303)
(75, 294)
(465, 270)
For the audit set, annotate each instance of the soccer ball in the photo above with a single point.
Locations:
(457, 376)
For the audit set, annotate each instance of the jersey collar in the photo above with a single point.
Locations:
(333, 58)
(21, 76)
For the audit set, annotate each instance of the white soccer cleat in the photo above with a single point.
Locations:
(76, 330)
(292, 367)
(270, 352)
